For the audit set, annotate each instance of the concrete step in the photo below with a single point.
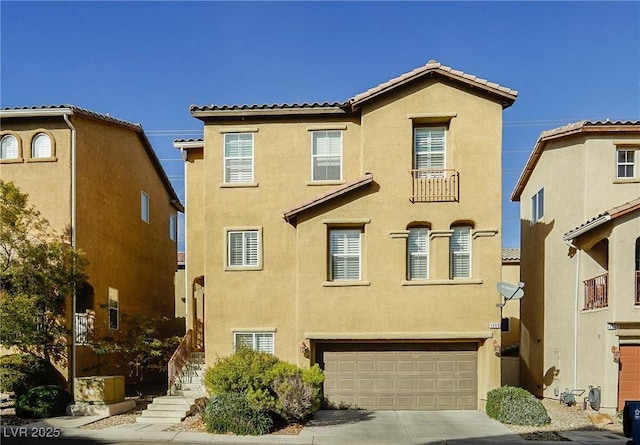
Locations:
(157, 420)
(172, 400)
(164, 414)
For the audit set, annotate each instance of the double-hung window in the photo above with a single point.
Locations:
(345, 254)
(258, 341)
(326, 156)
(238, 158)
(460, 252)
(626, 163)
(418, 254)
(243, 248)
(537, 206)
(9, 147)
(429, 151)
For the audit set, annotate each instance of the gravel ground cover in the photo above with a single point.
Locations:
(563, 418)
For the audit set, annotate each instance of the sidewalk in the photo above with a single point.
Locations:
(327, 428)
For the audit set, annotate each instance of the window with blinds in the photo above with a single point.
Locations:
(344, 254)
(326, 155)
(429, 150)
(243, 248)
(41, 146)
(258, 341)
(460, 251)
(9, 147)
(238, 158)
(418, 254)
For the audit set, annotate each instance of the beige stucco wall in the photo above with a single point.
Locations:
(511, 310)
(289, 294)
(578, 176)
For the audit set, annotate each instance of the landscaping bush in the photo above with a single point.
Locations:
(245, 371)
(43, 402)
(296, 398)
(232, 413)
(21, 372)
(516, 406)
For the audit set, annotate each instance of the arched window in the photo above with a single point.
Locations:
(41, 146)
(9, 147)
(418, 253)
(460, 251)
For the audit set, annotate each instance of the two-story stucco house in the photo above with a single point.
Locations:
(98, 176)
(363, 236)
(580, 227)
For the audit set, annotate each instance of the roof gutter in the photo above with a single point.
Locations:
(38, 113)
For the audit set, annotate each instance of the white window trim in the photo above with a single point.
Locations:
(537, 210)
(468, 252)
(411, 254)
(336, 230)
(227, 231)
(250, 182)
(633, 164)
(444, 149)
(255, 335)
(145, 207)
(341, 156)
(3, 139)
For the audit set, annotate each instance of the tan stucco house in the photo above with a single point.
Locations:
(580, 252)
(98, 176)
(362, 235)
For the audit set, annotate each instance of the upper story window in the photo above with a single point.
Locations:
(460, 252)
(537, 206)
(243, 249)
(345, 254)
(144, 207)
(41, 146)
(114, 309)
(9, 147)
(238, 158)
(418, 253)
(173, 227)
(626, 163)
(326, 156)
(258, 341)
(429, 145)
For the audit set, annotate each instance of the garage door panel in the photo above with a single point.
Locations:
(402, 379)
(629, 374)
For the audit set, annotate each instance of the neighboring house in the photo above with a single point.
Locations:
(180, 288)
(511, 320)
(580, 230)
(363, 236)
(98, 176)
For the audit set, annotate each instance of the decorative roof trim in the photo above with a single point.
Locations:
(602, 218)
(292, 213)
(584, 126)
(507, 95)
(188, 143)
(205, 111)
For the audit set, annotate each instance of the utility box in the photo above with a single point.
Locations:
(631, 420)
(99, 390)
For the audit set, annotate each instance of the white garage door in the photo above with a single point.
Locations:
(431, 379)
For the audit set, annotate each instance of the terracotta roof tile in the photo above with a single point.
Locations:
(78, 110)
(603, 217)
(511, 255)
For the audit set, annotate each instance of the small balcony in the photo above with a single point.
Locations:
(596, 292)
(431, 185)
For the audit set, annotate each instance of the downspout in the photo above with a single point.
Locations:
(73, 245)
(188, 290)
(575, 314)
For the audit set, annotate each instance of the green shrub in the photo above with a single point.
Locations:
(43, 402)
(21, 372)
(232, 413)
(515, 406)
(296, 398)
(246, 370)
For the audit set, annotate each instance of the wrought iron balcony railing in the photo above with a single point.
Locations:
(596, 292)
(431, 185)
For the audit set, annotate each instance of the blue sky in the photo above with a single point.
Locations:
(146, 62)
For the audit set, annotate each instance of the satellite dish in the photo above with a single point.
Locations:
(511, 291)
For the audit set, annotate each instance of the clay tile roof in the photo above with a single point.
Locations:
(433, 66)
(293, 212)
(181, 257)
(246, 107)
(603, 217)
(511, 255)
(583, 126)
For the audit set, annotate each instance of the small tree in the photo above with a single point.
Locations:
(39, 270)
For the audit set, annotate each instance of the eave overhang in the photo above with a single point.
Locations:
(603, 218)
(291, 214)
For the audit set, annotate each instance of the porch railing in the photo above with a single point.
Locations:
(198, 337)
(596, 292)
(84, 328)
(430, 185)
(179, 358)
(638, 287)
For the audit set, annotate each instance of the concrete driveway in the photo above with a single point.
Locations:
(406, 427)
